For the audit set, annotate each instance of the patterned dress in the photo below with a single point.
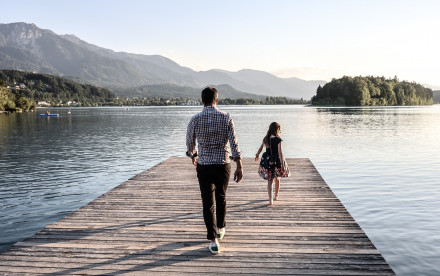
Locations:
(270, 165)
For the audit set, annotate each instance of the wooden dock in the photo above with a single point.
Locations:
(153, 224)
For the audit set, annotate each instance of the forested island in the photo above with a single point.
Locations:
(374, 91)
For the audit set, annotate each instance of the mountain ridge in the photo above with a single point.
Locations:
(24, 46)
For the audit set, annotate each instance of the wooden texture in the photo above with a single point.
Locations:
(153, 224)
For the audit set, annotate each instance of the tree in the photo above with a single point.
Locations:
(371, 91)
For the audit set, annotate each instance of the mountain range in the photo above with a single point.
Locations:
(26, 47)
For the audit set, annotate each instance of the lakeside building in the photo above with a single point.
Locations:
(192, 102)
(43, 103)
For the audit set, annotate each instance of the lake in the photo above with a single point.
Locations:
(382, 162)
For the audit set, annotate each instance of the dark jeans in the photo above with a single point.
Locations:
(213, 180)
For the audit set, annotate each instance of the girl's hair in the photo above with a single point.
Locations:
(274, 129)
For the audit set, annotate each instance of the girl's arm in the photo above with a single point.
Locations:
(257, 156)
(280, 155)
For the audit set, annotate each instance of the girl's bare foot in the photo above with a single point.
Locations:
(276, 197)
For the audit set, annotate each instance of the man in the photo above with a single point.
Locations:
(213, 129)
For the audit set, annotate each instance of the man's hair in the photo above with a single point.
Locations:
(209, 95)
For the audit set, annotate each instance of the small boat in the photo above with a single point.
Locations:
(50, 114)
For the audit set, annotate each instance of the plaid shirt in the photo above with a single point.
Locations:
(213, 129)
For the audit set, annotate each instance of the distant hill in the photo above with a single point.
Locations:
(172, 90)
(26, 47)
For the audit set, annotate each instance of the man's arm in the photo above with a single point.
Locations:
(233, 141)
(191, 141)
(235, 150)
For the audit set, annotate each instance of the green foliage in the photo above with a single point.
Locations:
(56, 90)
(360, 91)
(14, 102)
(6, 99)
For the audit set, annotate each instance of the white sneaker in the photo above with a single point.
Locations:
(221, 233)
(214, 247)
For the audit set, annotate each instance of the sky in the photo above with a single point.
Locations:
(310, 39)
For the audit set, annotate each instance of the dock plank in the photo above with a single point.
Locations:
(153, 224)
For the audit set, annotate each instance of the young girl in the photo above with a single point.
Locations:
(272, 165)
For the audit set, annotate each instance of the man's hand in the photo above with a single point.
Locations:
(238, 175)
(194, 160)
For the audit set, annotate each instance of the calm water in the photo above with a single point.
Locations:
(383, 163)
